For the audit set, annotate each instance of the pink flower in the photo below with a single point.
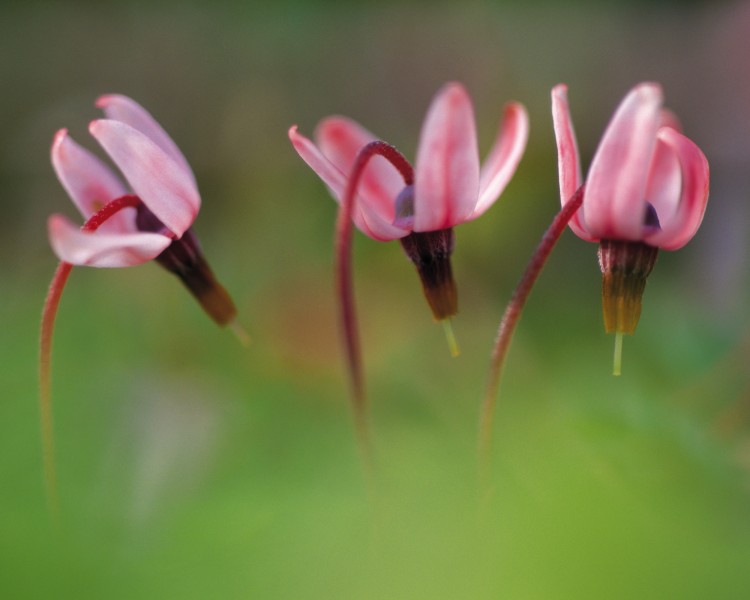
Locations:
(450, 188)
(157, 173)
(647, 182)
(150, 220)
(647, 189)
(124, 227)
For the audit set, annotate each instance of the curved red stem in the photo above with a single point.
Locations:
(109, 210)
(345, 288)
(508, 323)
(49, 312)
(45, 396)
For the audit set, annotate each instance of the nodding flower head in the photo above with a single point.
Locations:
(449, 186)
(646, 189)
(647, 182)
(156, 171)
(150, 218)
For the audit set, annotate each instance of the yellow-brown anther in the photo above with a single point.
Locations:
(625, 267)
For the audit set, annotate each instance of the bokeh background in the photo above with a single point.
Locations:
(191, 467)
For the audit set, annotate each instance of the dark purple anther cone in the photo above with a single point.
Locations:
(184, 258)
(430, 251)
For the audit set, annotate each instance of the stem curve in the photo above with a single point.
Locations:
(345, 287)
(49, 313)
(507, 327)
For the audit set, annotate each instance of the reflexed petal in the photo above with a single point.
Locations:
(163, 185)
(368, 220)
(681, 227)
(614, 200)
(340, 140)
(504, 157)
(446, 185)
(568, 159)
(89, 182)
(100, 249)
(331, 175)
(121, 108)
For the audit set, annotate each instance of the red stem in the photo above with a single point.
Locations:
(109, 210)
(45, 396)
(51, 303)
(345, 288)
(509, 321)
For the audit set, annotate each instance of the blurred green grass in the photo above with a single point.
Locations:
(191, 467)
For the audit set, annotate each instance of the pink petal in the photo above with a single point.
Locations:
(99, 249)
(89, 182)
(504, 157)
(121, 108)
(664, 182)
(446, 181)
(668, 119)
(340, 140)
(568, 161)
(368, 219)
(614, 200)
(681, 227)
(331, 175)
(163, 185)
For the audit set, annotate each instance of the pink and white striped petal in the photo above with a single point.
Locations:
(89, 182)
(446, 179)
(340, 140)
(126, 110)
(664, 184)
(681, 227)
(99, 249)
(163, 184)
(368, 218)
(568, 161)
(614, 199)
(503, 158)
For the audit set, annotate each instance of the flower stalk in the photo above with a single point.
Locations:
(125, 225)
(51, 303)
(49, 314)
(507, 328)
(345, 287)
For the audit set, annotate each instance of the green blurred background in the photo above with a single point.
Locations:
(193, 468)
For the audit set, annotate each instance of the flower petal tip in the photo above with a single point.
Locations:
(647, 92)
(105, 100)
(95, 126)
(516, 110)
(455, 87)
(648, 87)
(298, 140)
(454, 94)
(59, 138)
(58, 141)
